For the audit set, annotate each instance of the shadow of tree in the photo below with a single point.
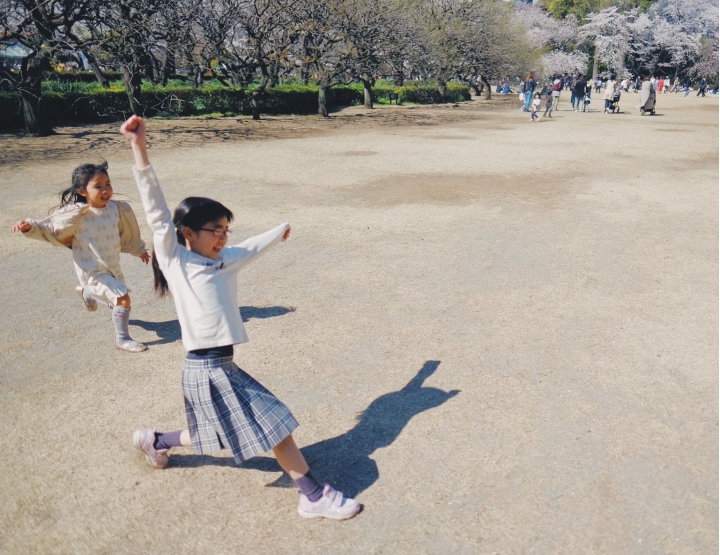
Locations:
(345, 460)
(169, 331)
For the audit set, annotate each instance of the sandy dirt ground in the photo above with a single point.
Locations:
(502, 337)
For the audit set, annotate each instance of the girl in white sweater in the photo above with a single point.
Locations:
(97, 229)
(225, 407)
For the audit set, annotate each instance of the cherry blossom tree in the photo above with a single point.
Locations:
(609, 32)
(557, 62)
(544, 30)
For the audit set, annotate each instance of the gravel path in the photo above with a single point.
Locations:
(501, 336)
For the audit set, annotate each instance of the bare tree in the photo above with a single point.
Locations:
(374, 35)
(320, 52)
(128, 32)
(46, 28)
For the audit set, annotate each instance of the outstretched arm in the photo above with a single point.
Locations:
(156, 210)
(251, 248)
(57, 229)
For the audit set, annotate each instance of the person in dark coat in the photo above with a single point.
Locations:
(702, 88)
(578, 93)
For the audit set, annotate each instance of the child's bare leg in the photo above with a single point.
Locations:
(316, 500)
(124, 301)
(121, 320)
(290, 458)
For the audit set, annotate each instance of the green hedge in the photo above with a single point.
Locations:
(105, 105)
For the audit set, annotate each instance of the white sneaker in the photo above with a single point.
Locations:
(333, 504)
(143, 441)
(131, 346)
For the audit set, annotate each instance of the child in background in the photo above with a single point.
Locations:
(97, 229)
(587, 98)
(535, 107)
(225, 407)
(549, 105)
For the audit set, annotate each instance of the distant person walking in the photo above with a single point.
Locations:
(536, 101)
(556, 90)
(578, 93)
(610, 89)
(528, 89)
(702, 87)
(549, 105)
(647, 96)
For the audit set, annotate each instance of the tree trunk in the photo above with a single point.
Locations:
(322, 100)
(367, 92)
(132, 79)
(255, 101)
(33, 71)
(304, 73)
(272, 75)
(197, 77)
(486, 85)
(95, 68)
(257, 93)
(596, 62)
(168, 66)
(442, 87)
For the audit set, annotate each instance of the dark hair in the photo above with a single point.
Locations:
(193, 213)
(81, 176)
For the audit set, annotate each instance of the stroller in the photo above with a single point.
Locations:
(614, 103)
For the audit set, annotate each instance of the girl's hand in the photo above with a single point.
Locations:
(286, 234)
(23, 226)
(134, 129)
(145, 257)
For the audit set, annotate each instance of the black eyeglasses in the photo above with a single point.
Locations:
(218, 231)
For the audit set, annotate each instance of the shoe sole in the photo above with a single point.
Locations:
(119, 348)
(331, 517)
(89, 308)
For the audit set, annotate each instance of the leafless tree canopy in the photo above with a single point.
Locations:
(260, 42)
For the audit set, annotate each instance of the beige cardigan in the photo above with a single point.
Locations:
(58, 228)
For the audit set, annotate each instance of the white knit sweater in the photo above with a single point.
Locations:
(204, 290)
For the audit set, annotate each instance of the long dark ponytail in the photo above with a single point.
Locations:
(193, 213)
(81, 176)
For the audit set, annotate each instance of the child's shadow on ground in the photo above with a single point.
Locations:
(169, 331)
(344, 460)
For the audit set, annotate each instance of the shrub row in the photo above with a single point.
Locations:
(105, 105)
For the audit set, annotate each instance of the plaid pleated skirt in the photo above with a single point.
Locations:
(224, 404)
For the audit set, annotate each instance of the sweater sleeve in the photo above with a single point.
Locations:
(158, 215)
(130, 240)
(58, 228)
(244, 253)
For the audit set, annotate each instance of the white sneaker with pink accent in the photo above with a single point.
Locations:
(333, 504)
(144, 440)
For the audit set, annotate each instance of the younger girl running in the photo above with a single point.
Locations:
(97, 230)
(225, 407)
(535, 107)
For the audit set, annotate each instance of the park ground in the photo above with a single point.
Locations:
(501, 336)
